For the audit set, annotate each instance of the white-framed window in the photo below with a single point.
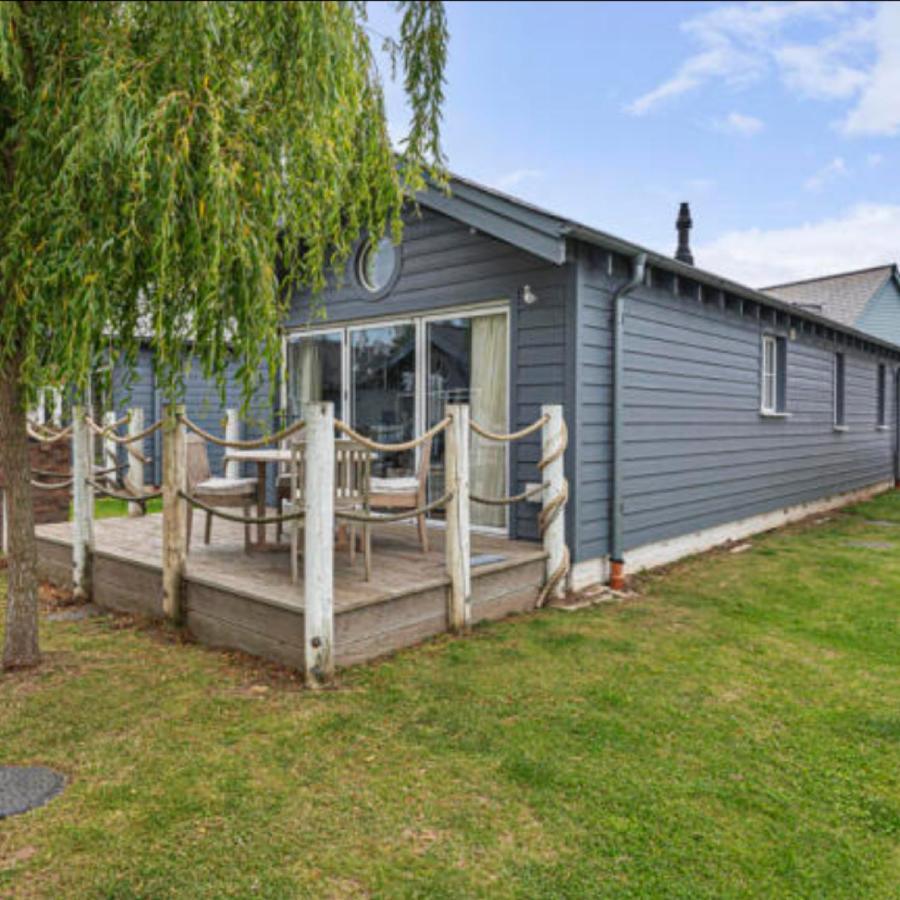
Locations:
(773, 375)
(882, 395)
(839, 390)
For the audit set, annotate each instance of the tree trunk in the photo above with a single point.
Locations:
(20, 647)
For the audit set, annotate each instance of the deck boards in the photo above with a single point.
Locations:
(247, 601)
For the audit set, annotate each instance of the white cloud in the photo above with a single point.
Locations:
(865, 235)
(874, 159)
(854, 56)
(878, 109)
(837, 168)
(516, 177)
(740, 124)
(736, 45)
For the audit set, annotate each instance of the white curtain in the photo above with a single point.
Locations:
(488, 401)
(304, 374)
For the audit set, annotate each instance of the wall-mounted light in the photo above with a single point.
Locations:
(527, 295)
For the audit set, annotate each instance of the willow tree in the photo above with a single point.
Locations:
(158, 159)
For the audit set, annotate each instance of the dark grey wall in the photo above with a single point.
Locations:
(445, 265)
(202, 403)
(697, 451)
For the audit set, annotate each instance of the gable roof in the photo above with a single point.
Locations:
(842, 297)
(547, 235)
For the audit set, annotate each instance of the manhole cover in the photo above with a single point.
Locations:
(27, 787)
(884, 523)
(871, 545)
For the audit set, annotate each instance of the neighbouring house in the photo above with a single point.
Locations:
(699, 410)
(867, 299)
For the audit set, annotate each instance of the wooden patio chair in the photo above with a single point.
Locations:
(352, 473)
(397, 494)
(222, 492)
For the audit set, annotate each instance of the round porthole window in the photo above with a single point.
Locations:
(376, 265)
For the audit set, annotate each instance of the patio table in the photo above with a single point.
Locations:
(263, 457)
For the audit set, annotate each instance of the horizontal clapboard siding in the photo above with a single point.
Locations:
(697, 452)
(203, 405)
(445, 265)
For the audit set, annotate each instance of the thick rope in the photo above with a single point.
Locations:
(121, 495)
(243, 520)
(107, 431)
(556, 453)
(553, 508)
(514, 436)
(55, 486)
(368, 519)
(369, 444)
(507, 501)
(48, 437)
(242, 445)
(555, 578)
(48, 473)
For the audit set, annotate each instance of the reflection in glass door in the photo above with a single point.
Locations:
(467, 363)
(392, 381)
(383, 391)
(314, 365)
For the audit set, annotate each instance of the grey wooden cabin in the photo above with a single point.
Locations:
(711, 411)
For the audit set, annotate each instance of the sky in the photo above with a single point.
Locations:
(779, 122)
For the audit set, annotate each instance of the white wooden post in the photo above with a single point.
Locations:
(174, 512)
(318, 555)
(110, 454)
(40, 411)
(458, 548)
(83, 505)
(135, 476)
(554, 482)
(57, 407)
(232, 433)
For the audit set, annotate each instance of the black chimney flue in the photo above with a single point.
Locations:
(683, 223)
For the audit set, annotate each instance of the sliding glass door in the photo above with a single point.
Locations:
(383, 391)
(467, 362)
(313, 372)
(392, 380)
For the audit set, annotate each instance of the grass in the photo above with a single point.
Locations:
(110, 507)
(733, 731)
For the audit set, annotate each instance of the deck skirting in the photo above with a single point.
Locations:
(231, 605)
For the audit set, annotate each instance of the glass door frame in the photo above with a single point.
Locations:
(420, 322)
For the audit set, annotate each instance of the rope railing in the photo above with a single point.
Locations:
(378, 446)
(512, 436)
(241, 444)
(107, 432)
(508, 501)
(242, 520)
(48, 436)
(127, 496)
(387, 518)
(52, 486)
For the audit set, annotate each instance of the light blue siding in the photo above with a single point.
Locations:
(881, 315)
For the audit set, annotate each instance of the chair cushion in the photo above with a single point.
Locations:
(394, 485)
(226, 486)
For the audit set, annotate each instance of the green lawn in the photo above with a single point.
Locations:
(733, 731)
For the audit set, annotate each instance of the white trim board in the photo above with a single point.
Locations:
(661, 553)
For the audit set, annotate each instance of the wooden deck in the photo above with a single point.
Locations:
(248, 602)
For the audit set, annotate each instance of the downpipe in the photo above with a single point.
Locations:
(616, 509)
